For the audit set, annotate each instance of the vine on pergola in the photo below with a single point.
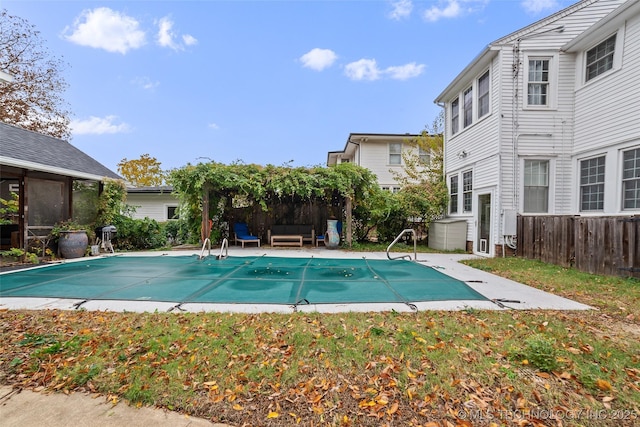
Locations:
(265, 185)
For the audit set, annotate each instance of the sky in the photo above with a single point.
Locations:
(263, 81)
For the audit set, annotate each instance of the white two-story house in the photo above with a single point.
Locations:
(382, 154)
(546, 121)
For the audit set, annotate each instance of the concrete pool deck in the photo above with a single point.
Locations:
(503, 294)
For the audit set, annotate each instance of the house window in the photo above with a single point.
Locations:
(592, 184)
(391, 189)
(172, 212)
(467, 99)
(600, 58)
(631, 179)
(467, 188)
(538, 84)
(455, 116)
(483, 95)
(536, 186)
(424, 156)
(395, 153)
(453, 191)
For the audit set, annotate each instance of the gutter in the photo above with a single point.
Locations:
(22, 164)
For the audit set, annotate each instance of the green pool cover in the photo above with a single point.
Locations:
(241, 280)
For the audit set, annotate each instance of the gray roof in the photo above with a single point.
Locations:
(34, 151)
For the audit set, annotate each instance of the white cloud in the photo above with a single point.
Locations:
(214, 126)
(404, 72)
(401, 9)
(103, 28)
(364, 69)
(166, 37)
(318, 59)
(450, 9)
(537, 6)
(189, 40)
(98, 126)
(367, 69)
(145, 83)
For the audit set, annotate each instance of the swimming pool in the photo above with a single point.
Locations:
(239, 280)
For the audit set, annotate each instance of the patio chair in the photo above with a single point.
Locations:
(241, 234)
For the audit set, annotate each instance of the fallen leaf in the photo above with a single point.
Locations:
(603, 385)
(273, 415)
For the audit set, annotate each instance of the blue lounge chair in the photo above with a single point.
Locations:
(241, 234)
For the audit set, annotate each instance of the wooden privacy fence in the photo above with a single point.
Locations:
(600, 245)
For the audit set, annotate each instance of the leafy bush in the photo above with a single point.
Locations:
(539, 351)
(177, 232)
(138, 233)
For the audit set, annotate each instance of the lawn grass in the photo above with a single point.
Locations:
(429, 368)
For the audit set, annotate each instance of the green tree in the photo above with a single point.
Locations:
(34, 100)
(143, 172)
(424, 195)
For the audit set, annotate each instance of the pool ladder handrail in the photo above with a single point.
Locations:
(415, 245)
(206, 244)
(224, 247)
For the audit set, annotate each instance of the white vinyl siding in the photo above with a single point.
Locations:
(152, 205)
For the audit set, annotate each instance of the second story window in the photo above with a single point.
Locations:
(538, 82)
(395, 153)
(424, 156)
(455, 116)
(483, 95)
(467, 98)
(600, 58)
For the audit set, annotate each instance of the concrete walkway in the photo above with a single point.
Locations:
(27, 408)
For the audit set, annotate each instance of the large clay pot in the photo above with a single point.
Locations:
(73, 244)
(332, 239)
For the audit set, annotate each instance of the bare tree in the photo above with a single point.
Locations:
(34, 99)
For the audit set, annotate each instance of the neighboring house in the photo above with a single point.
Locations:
(380, 153)
(43, 171)
(545, 121)
(157, 203)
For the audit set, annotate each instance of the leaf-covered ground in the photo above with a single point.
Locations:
(463, 368)
(514, 368)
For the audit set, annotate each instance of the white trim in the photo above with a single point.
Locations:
(22, 164)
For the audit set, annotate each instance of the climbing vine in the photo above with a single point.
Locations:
(265, 185)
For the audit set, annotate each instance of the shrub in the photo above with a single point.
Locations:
(138, 234)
